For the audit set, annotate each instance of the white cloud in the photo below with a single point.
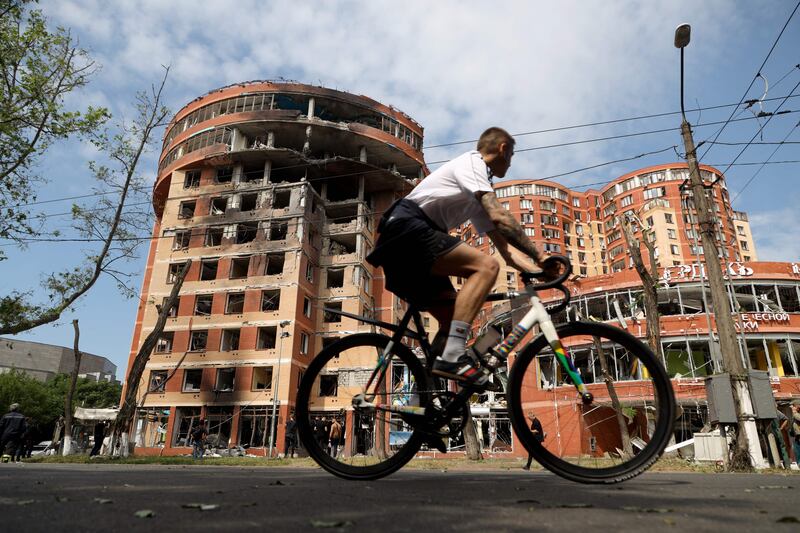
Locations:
(775, 233)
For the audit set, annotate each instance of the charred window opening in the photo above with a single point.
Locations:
(335, 278)
(235, 303)
(343, 189)
(281, 199)
(181, 241)
(246, 232)
(332, 317)
(164, 342)
(218, 206)
(342, 245)
(202, 304)
(225, 379)
(214, 236)
(239, 267)
(252, 174)
(262, 378)
(230, 340)
(186, 209)
(267, 337)
(224, 175)
(249, 202)
(275, 264)
(208, 269)
(198, 341)
(158, 381)
(192, 179)
(342, 214)
(192, 380)
(286, 175)
(278, 231)
(270, 300)
(328, 384)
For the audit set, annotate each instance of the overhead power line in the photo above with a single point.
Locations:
(757, 75)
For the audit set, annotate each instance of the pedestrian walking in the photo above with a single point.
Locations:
(199, 434)
(795, 432)
(335, 436)
(290, 436)
(12, 428)
(99, 436)
(538, 435)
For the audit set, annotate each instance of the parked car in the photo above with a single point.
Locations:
(42, 448)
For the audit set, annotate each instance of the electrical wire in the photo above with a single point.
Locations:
(366, 172)
(758, 74)
(757, 172)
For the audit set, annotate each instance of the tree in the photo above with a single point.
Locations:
(127, 410)
(648, 276)
(112, 223)
(39, 69)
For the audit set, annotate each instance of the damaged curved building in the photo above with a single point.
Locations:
(273, 190)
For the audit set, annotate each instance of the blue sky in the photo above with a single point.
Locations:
(455, 67)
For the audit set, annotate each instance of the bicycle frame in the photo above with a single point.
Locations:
(537, 314)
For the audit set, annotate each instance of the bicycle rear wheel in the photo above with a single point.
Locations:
(375, 442)
(617, 436)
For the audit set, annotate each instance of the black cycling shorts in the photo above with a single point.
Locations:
(408, 245)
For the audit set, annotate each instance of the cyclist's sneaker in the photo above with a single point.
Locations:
(465, 371)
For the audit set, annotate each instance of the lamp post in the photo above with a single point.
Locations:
(747, 442)
(277, 381)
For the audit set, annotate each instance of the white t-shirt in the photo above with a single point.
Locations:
(447, 195)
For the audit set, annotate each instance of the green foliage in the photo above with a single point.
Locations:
(44, 402)
(39, 68)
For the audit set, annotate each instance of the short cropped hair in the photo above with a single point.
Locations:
(490, 140)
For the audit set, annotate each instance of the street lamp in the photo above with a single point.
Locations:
(277, 381)
(747, 441)
(683, 34)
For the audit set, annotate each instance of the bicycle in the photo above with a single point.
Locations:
(604, 401)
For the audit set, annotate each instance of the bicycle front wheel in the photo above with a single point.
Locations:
(616, 436)
(374, 440)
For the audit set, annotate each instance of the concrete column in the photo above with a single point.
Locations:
(233, 439)
(307, 143)
(361, 188)
(237, 175)
(270, 139)
(267, 170)
(362, 154)
(311, 107)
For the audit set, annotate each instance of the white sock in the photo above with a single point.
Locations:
(456, 341)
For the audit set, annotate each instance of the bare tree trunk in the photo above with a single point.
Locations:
(127, 410)
(649, 281)
(471, 442)
(627, 449)
(73, 381)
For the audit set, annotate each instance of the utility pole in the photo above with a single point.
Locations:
(276, 386)
(747, 443)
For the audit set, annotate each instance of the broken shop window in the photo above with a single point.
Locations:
(218, 206)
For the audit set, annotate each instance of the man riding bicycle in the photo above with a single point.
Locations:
(418, 254)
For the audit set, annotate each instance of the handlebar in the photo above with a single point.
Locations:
(528, 277)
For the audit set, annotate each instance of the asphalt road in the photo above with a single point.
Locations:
(38, 497)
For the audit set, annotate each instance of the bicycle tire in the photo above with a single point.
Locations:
(335, 465)
(585, 465)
